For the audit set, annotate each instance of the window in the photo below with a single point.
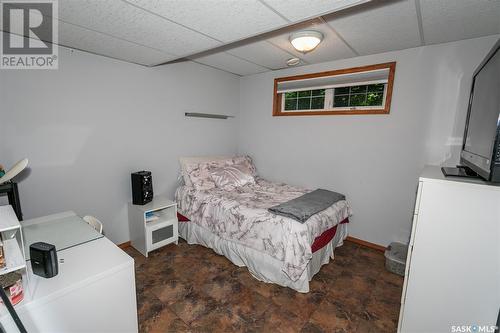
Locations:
(361, 90)
(371, 95)
(305, 100)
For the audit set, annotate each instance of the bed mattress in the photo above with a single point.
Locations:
(320, 241)
(242, 217)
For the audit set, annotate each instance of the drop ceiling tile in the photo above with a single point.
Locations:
(225, 20)
(122, 20)
(330, 48)
(296, 10)
(379, 27)
(91, 41)
(263, 53)
(445, 21)
(230, 63)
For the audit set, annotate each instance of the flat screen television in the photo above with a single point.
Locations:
(481, 144)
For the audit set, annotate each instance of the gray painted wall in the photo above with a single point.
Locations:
(86, 126)
(374, 159)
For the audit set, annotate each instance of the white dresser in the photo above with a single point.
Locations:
(452, 277)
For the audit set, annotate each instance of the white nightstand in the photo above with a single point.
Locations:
(148, 234)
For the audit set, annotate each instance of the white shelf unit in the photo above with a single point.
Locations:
(13, 247)
(14, 257)
(146, 236)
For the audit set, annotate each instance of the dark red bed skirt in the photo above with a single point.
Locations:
(320, 241)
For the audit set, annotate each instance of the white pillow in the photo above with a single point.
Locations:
(199, 174)
(231, 176)
(246, 161)
(185, 161)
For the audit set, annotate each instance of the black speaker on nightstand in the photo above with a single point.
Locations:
(142, 187)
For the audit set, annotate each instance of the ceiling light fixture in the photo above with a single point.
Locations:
(306, 40)
(293, 61)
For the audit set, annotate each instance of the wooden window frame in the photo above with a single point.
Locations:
(277, 98)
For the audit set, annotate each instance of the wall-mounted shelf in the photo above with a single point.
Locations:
(207, 115)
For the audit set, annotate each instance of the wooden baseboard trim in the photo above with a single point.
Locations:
(124, 245)
(366, 244)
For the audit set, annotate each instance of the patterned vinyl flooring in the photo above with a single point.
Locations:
(189, 288)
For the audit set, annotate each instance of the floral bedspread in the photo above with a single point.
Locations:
(241, 216)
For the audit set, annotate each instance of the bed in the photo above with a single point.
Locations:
(235, 222)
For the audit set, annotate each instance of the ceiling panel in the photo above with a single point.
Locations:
(379, 27)
(94, 42)
(331, 48)
(230, 64)
(152, 32)
(225, 20)
(445, 21)
(117, 18)
(296, 10)
(263, 53)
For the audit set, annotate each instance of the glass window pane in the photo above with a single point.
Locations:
(357, 100)
(318, 103)
(306, 93)
(304, 104)
(376, 87)
(342, 90)
(292, 94)
(340, 101)
(374, 98)
(291, 104)
(319, 92)
(358, 89)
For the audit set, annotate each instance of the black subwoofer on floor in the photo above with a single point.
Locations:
(142, 187)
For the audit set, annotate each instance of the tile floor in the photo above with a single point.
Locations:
(189, 288)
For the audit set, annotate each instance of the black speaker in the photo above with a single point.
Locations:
(43, 257)
(142, 187)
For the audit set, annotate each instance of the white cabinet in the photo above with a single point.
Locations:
(153, 225)
(453, 265)
(93, 292)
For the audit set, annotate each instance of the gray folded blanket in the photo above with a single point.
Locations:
(305, 206)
